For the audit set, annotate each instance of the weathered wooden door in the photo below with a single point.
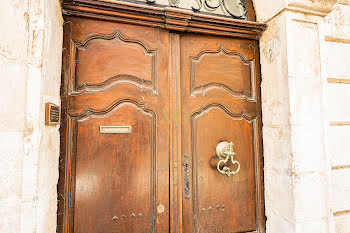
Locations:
(220, 103)
(144, 110)
(117, 145)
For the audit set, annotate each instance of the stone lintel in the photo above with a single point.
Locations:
(265, 12)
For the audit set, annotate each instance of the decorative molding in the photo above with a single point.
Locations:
(114, 81)
(117, 79)
(204, 110)
(89, 113)
(170, 18)
(318, 7)
(222, 3)
(203, 89)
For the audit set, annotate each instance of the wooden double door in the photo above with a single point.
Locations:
(143, 112)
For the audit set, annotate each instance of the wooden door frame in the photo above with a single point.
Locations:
(172, 19)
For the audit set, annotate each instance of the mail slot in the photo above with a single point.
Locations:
(115, 129)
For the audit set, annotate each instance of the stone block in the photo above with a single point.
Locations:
(307, 148)
(338, 145)
(341, 189)
(320, 6)
(48, 159)
(338, 59)
(303, 58)
(46, 212)
(311, 196)
(13, 96)
(337, 102)
(277, 148)
(274, 86)
(319, 226)
(305, 101)
(337, 22)
(14, 27)
(264, 11)
(277, 224)
(11, 151)
(342, 223)
(10, 218)
(279, 193)
(28, 216)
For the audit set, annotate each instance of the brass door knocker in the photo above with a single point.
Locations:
(224, 151)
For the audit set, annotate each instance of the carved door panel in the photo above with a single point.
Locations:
(117, 147)
(220, 102)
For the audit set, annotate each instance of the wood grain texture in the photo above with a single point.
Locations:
(182, 93)
(111, 169)
(176, 184)
(220, 203)
(114, 182)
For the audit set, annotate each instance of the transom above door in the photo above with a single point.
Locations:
(161, 131)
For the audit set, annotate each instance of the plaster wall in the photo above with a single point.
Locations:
(305, 69)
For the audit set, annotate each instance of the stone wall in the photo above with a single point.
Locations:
(30, 64)
(337, 112)
(305, 58)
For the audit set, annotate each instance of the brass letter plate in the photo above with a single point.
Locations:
(115, 129)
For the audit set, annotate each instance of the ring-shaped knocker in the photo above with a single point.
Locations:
(224, 151)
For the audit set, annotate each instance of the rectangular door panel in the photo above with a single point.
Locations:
(115, 186)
